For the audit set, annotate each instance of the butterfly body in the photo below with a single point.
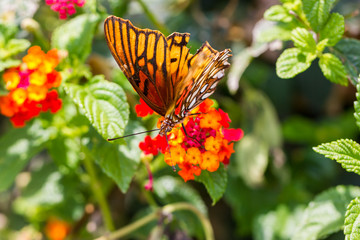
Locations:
(162, 70)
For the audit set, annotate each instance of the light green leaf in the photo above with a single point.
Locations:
(76, 36)
(277, 224)
(104, 104)
(17, 147)
(348, 50)
(333, 69)
(13, 46)
(215, 182)
(278, 31)
(352, 220)
(292, 62)
(333, 30)
(357, 105)
(326, 213)
(120, 162)
(8, 63)
(278, 13)
(344, 151)
(252, 155)
(317, 12)
(303, 39)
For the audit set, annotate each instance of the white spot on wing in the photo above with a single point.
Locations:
(203, 88)
(219, 74)
(192, 103)
(214, 85)
(206, 95)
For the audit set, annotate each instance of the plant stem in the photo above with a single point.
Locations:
(209, 234)
(152, 18)
(98, 193)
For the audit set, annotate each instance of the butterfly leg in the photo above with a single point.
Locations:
(187, 135)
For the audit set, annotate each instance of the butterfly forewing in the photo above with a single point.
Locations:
(143, 56)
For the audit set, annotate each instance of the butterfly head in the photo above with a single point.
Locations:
(169, 122)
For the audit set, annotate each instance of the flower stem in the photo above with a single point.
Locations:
(209, 234)
(98, 193)
(152, 18)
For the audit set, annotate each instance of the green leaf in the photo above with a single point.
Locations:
(76, 36)
(278, 224)
(326, 213)
(170, 190)
(348, 50)
(252, 155)
(292, 62)
(17, 147)
(12, 47)
(278, 13)
(303, 39)
(120, 162)
(317, 12)
(278, 31)
(352, 220)
(333, 30)
(357, 105)
(333, 69)
(344, 151)
(215, 182)
(104, 104)
(8, 63)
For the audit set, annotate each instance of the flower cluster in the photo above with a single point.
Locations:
(30, 87)
(206, 142)
(65, 7)
(57, 229)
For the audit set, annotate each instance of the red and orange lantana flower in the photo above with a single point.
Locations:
(208, 141)
(30, 87)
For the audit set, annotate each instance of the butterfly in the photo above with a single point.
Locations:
(162, 70)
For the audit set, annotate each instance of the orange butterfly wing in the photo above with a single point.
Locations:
(143, 56)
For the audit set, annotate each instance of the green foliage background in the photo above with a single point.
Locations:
(286, 90)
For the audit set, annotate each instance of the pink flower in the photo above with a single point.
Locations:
(65, 7)
(232, 134)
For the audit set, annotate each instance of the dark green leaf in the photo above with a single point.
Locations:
(215, 182)
(333, 69)
(292, 62)
(104, 104)
(348, 50)
(76, 36)
(170, 190)
(352, 220)
(326, 213)
(317, 12)
(333, 30)
(120, 162)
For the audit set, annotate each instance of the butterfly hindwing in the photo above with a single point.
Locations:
(143, 56)
(206, 69)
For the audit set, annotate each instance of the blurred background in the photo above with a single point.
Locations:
(273, 174)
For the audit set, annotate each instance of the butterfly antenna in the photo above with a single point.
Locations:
(133, 134)
(172, 164)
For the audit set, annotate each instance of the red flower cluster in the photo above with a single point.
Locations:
(65, 7)
(207, 141)
(29, 87)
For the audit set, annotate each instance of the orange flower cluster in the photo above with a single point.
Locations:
(30, 87)
(206, 142)
(56, 229)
